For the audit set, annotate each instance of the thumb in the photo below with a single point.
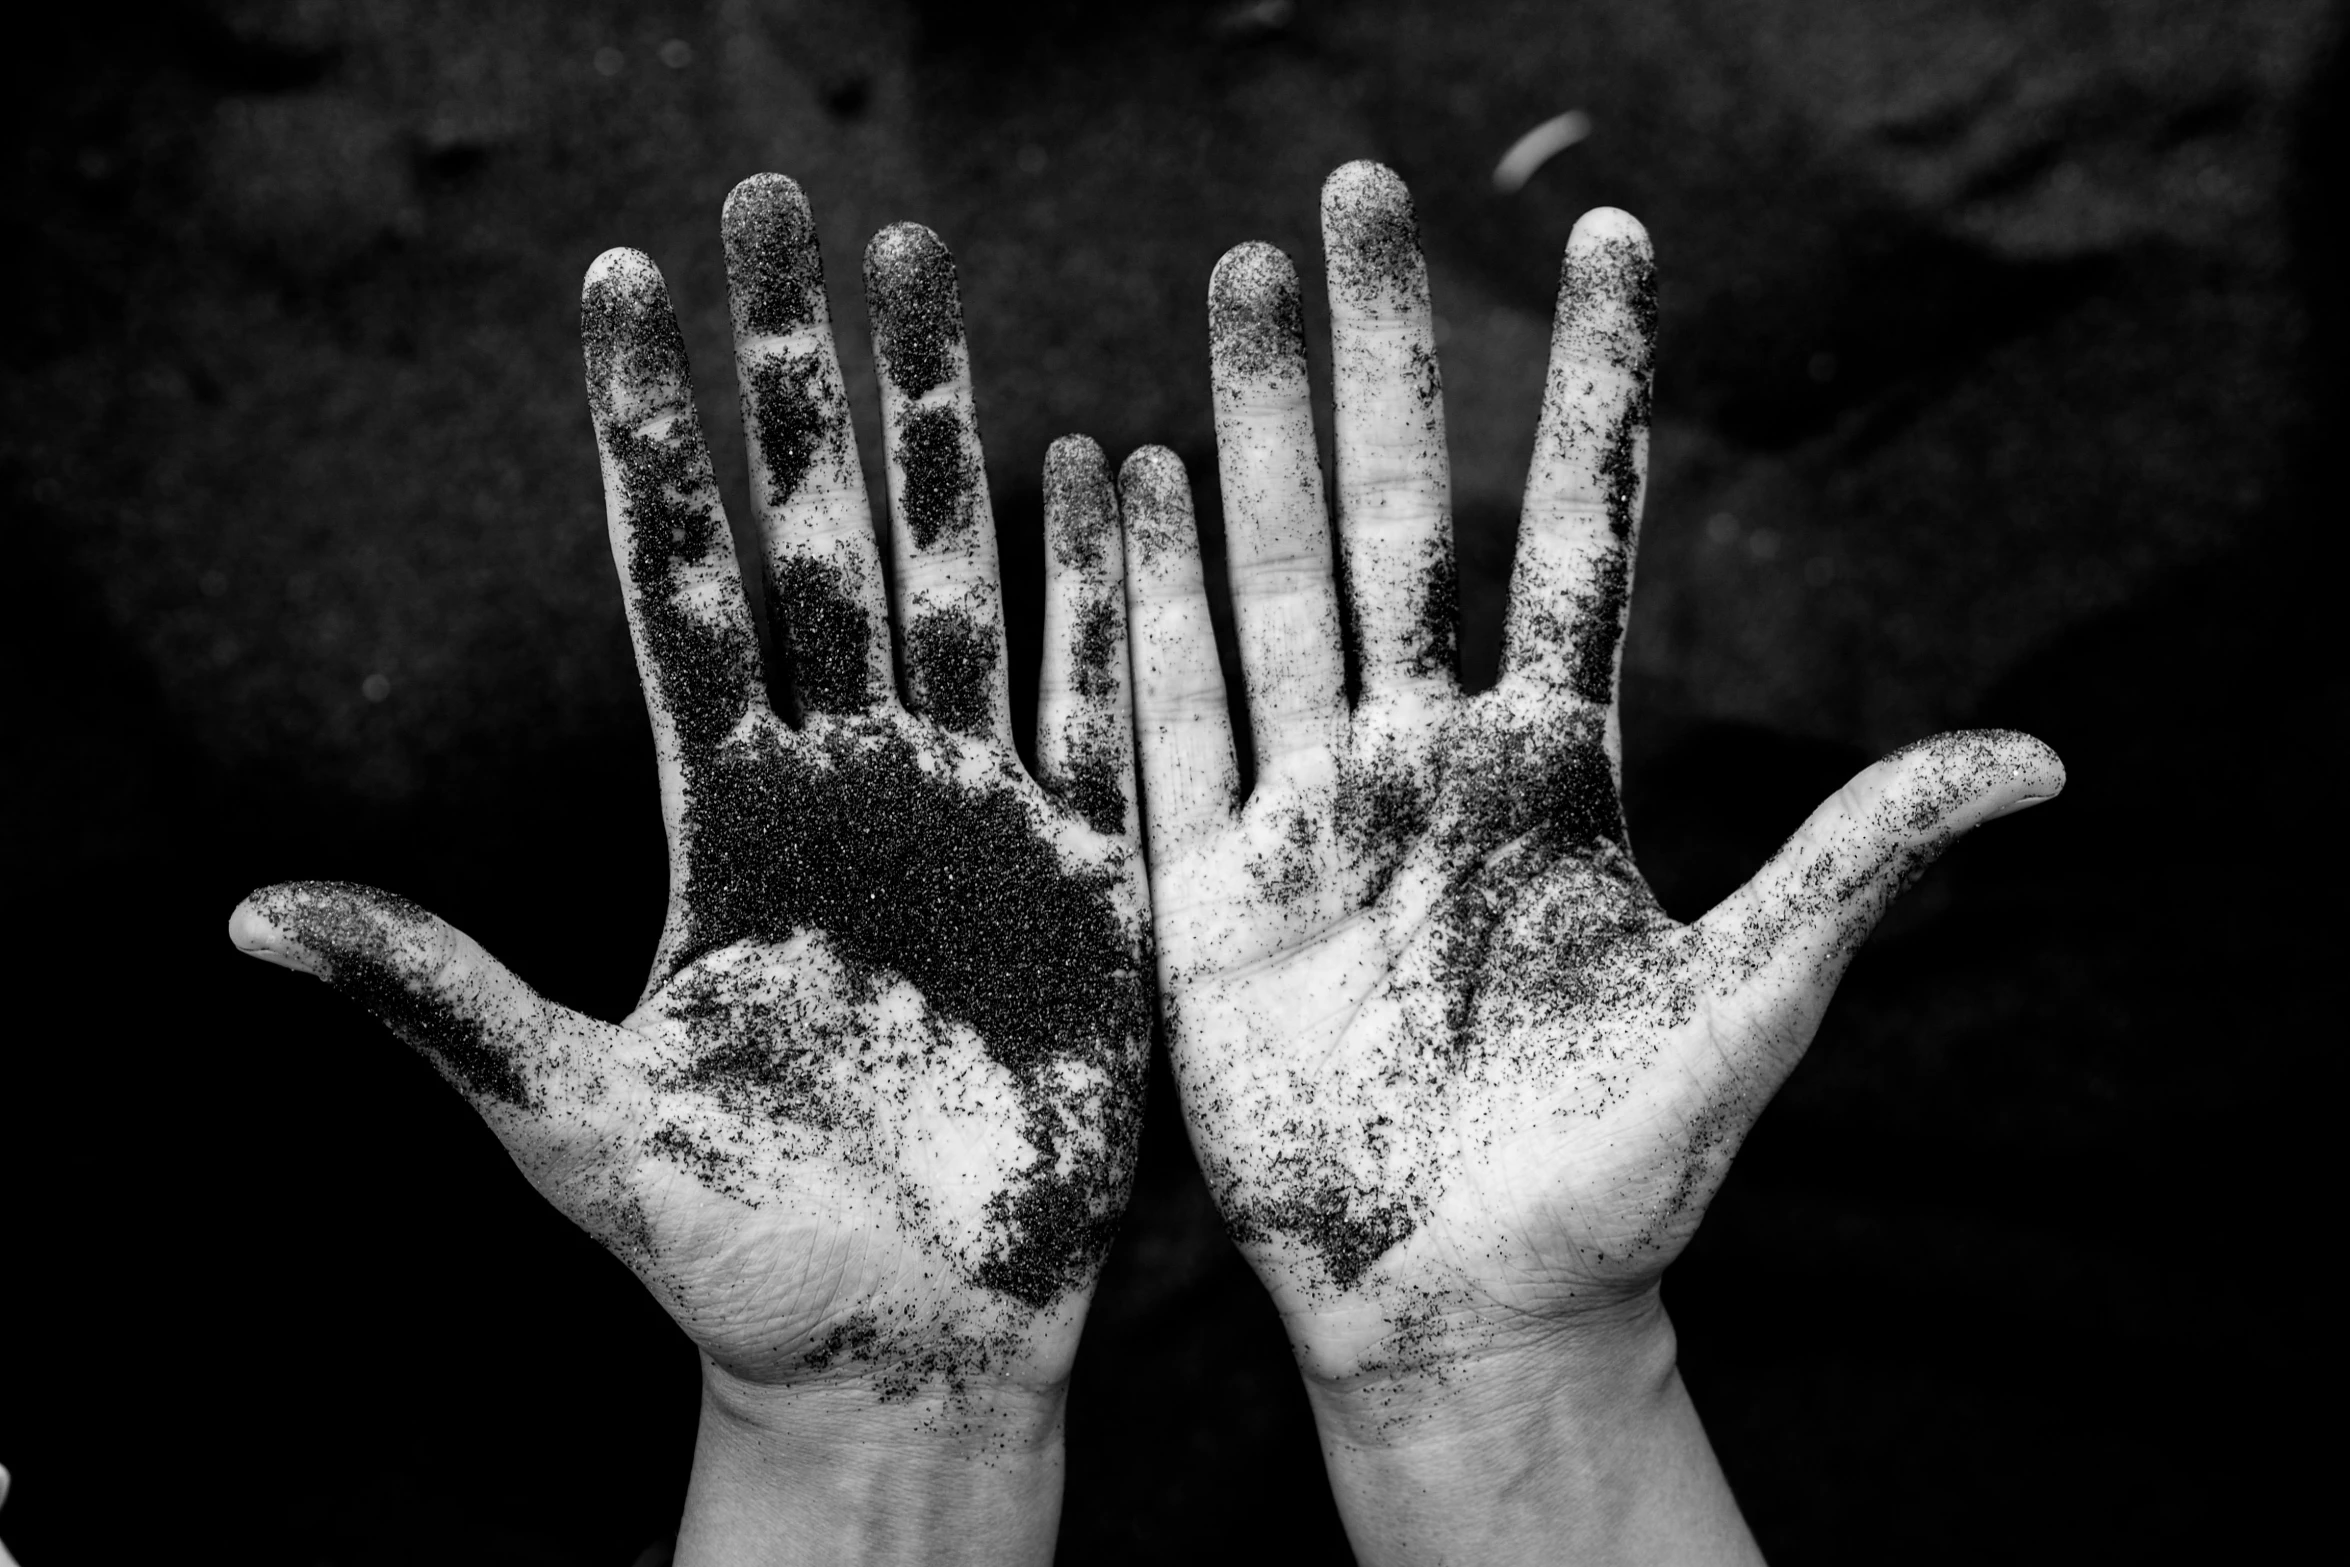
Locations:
(1782, 941)
(514, 1054)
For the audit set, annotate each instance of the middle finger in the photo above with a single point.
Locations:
(1394, 479)
(950, 609)
(824, 583)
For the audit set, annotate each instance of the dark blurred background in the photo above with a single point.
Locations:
(1999, 386)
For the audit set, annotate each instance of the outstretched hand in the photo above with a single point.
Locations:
(871, 1127)
(1460, 1086)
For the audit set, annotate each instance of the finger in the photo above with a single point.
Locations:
(515, 1055)
(943, 530)
(1084, 722)
(1572, 587)
(824, 581)
(1394, 479)
(1779, 944)
(1183, 731)
(1276, 527)
(696, 654)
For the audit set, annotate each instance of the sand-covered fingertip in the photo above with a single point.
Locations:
(623, 275)
(762, 205)
(1256, 321)
(1608, 228)
(1366, 182)
(1607, 298)
(774, 269)
(1080, 507)
(629, 338)
(257, 935)
(1955, 782)
(2038, 772)
(1154, 499)
(916, 305)
(1371, 236)
(1076, 459)
(909, 255)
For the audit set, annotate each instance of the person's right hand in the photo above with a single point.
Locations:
(1460, 1086)
(870, 1130)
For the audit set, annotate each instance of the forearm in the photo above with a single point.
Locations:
(836, 1475)
(1565, 1452)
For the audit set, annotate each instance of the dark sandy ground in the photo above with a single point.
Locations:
(1999, 385)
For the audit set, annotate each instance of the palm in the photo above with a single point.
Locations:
(875, 1116)
(917, 1070)
(1445, 1025)
(1448, 1066)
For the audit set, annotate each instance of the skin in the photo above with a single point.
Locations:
(868, 1132)
(1462, 1089)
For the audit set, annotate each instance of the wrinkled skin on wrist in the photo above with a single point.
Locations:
(874, 1120)
(1457, 1081)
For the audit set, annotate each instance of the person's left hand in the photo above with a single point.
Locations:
(1461, 1087)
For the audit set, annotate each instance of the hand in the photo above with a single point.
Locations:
(869, 1132)
(1462, 1089)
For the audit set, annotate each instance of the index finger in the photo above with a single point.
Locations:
(950, 611)
(696, 654)
(1571, 591)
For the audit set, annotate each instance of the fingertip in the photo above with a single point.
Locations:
(248, 930)
(1952, 783)
(2038, 759)
(1371, 238)
(1256, 320)
(1154, 495)
(257, 935)
(622, 273)
(1364, 183)
(910, 271)
(1252, 270)
(905, 245)
(1080, 508)
(1607, 294)
(1605, 228)
(635, 354)
(774, 271)
(916, 305)
(1075, 456)
(761, 200)
(1152, 472)
(2027, 771)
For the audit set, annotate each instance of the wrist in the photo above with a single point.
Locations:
(1568, 1444)
(1478, 1370)
(844, 1471)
